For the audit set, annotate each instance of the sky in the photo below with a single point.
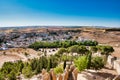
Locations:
(60, 13)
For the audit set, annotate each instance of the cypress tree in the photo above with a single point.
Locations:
(89, 60)
(64, 66)
(49, 64)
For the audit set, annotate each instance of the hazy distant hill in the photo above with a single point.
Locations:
(20, 27)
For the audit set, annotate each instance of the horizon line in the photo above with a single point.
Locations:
(61, 26)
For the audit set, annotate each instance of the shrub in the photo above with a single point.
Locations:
(67, 57)
(97, 63)
(58, 69)
(4, 53)
(26, 54)
(81, 63)
(1, 76)
(27, 71)
(12, 76)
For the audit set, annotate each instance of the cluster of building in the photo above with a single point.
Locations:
(24, 39)
(19, 39)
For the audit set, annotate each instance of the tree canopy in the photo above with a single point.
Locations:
(61, 44)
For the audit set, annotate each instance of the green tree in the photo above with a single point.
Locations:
(61, 51)
(54, 61)
(89, 57)
(58, 70)
(12, 76)
(33, 64)
(97, 63)
(2, 76)
(20, 65)
(81, 63)
(27, 71)
(38, 68)
(93, 49)
(82, 50)
(44, 62)
(49, 64)
(73, 49)
(90, 43)
(64, 65)
(61, 44)
(106, 51)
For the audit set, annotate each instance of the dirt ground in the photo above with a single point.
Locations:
(102, 74)
(15, 54)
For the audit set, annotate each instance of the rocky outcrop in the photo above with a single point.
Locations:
(68, 74)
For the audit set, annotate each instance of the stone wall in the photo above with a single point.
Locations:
(117, 66)
(110, 61)
(114, 64)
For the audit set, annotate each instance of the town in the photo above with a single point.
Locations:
(18, 39)
(60, 53)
